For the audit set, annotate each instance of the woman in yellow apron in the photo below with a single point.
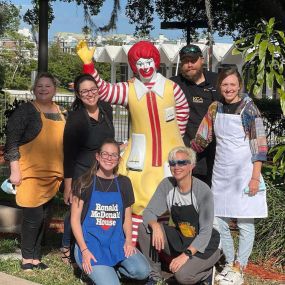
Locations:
(35, 152)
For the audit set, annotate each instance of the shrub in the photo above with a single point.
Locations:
(268, 106)
(270, 232)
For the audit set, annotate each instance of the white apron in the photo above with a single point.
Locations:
(233, 170)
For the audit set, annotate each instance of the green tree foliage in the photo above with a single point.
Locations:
(9, 21)
(65, 67)
(9, 17)
(91, 8)
(264, 58)
(230, 17)
(17, 61)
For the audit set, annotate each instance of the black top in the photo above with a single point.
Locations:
(23, 126)
(199, 97)
(126, 189)
(230, 108)
(83, 136)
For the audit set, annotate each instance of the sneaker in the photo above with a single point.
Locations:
(232, 278)
(41, 266)
(228, 267)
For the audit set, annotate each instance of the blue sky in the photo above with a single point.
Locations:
(69, 18)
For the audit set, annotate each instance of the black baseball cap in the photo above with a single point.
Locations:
(192, 51)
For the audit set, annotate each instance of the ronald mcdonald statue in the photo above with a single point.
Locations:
(158, 110)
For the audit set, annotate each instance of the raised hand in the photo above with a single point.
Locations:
(83, 51)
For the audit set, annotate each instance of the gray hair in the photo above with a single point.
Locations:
(191, 154)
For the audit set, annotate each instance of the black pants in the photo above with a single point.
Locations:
(33, 228)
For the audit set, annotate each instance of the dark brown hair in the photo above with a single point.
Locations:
(86, 180)
(77, 103)
(225, 73)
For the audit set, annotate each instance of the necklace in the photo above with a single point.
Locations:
(105, 190)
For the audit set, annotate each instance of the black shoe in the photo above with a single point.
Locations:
(27, 266)
(41, 266)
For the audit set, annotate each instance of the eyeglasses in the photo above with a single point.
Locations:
(107, 155)
(85, 92)
(180, 162)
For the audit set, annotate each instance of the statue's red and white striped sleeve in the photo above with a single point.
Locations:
(182, 108)
(113, 93)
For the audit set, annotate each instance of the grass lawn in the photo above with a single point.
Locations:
(60, 273)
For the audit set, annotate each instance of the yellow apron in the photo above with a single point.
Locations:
(160, 139)
(41, 164)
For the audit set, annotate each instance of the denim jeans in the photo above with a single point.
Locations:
(133, 267)
(246, 239)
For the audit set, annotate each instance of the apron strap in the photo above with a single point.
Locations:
(191, 194)
(57, 107)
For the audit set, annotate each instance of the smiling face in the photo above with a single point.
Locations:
(181, 171)
(108, 158)
(230, 87)
(44, 90)
(146, 68)
(88, 93)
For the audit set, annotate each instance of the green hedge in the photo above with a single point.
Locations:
(270, 232)
(268, 106)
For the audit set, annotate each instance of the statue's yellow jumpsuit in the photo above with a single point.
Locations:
(148, 118)
(159, 113)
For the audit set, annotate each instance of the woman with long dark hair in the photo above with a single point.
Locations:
(101, 221)
(88, 125)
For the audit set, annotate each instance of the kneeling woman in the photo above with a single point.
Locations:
(191, 241)
(101, 222)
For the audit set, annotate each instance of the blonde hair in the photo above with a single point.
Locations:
(191, 154)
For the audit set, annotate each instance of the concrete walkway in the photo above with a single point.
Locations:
(6, 279)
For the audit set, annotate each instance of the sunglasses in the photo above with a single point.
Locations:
(180, 162)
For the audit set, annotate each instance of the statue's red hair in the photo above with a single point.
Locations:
(143, 49)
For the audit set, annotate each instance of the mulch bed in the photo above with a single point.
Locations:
(264, 271)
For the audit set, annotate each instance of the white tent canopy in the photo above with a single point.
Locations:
(169, 55)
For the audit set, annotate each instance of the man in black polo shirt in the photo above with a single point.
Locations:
(199, 88)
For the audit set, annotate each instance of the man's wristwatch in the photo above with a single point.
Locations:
(188, 252)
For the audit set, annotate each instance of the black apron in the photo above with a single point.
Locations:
(186, 221)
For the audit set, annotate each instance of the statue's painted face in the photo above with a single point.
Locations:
(146, 67)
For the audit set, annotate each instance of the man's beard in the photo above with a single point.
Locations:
(194, 77)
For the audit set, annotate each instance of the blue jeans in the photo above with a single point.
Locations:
(246, 240)
(133, 267)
